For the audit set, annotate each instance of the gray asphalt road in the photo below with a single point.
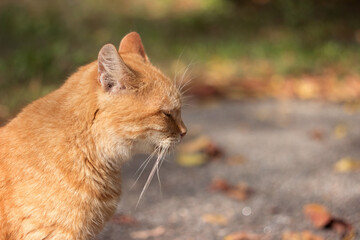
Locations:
(285, 167)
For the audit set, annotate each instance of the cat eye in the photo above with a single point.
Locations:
(167, 114)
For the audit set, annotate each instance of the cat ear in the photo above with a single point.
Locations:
(131, 43)
(113, 74)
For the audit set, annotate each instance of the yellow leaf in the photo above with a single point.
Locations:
(216, 219)
(340, 131)
(347, 164)
(191, 159)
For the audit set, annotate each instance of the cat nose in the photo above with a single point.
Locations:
(182, 128)
(182, 134)
(183, 131)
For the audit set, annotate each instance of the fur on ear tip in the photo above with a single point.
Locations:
(133, 34)
(132, 43)
(107, 49)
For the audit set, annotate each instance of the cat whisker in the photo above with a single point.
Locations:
(186, 97)
(143, 166)
(147, 160)
(183, 91)
(176, 67)
(161, 155)
(183, 81)
(158, 175)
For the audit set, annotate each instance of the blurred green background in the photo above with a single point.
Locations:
(235, 48)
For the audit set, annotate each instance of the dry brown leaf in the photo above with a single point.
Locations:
(216, 219)
(317, 135)
(219, 184)
(318, 214)
(145, 234)
(242, 236)
(347, 164)
(123, 219)
(343, 228)
(201, 144)
(305, 235)
(240, 191)
(212, 150)
(197, 152)
(321, 218)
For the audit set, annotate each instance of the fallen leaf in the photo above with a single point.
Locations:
(321, 218)
(212, 150)
(219, 184)
(216, 219)
(197, 152)
(123, 219)
(145, 234)
(340, 131)
(316, 134)
(195, 145)
(242, 236)
(191, 159)
(347, 164)
(305, 235)
(240, 191)
(341, 227)
(318, 214)
(201, 144)
(236, 160)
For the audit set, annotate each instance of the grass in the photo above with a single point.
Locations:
(42, 44)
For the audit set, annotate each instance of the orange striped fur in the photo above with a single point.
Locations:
(61, 156)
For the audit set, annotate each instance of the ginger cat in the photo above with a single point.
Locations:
(60, 158)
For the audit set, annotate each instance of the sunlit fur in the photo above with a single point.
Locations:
(60, 158)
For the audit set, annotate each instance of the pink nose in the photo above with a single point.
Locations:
(183, 133)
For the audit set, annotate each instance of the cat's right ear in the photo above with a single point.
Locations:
(113, 74)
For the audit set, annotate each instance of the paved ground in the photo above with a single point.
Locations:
(285, 167)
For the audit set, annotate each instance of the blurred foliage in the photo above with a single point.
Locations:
(43, 42)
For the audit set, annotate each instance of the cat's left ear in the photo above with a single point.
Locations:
(113, 74)
(132, 43)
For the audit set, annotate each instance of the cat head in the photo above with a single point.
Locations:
(138, 103)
